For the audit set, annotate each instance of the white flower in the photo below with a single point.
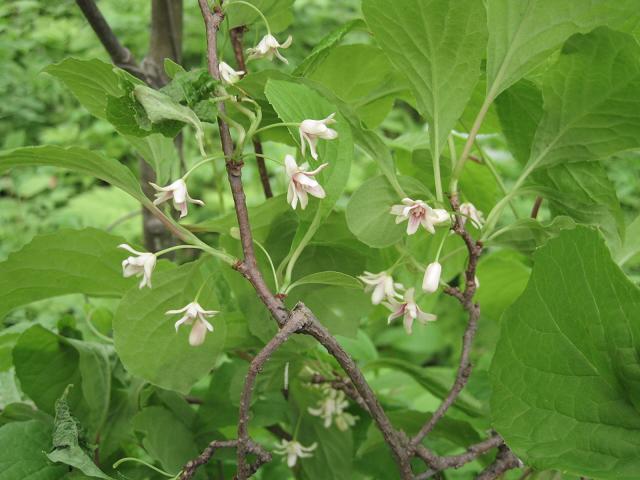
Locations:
(178, 192)
(228, 74)
(268, 47)
(312, 130)
(302, 182)
(331, 409)
(431, 280)
(382, 286)
(142, 264)
(294, 450)
(469, 211)
(195, 315)
(419, 213)
(409, 310)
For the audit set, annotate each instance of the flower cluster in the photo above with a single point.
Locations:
(331, 409)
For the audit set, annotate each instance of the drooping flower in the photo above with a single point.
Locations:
(409, 310)
(294, 450)
(228, 74)
(419, 213)
(470, 212)
(302, 182)
(268, 47)
(142, 264)
(382, 286)
(312, 130)
(178, 192)
(331, 409)
(431, 280)
(197, 316)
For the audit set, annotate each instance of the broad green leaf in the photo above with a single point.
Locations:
(438, 45)
(69, 261)
(524, 33)
(337, 279)
(528, 234)
(565, 374)
(279, 14)
(434, 380)
(146, 340)
(166, 438)
(22, 452)
(372, 85)
(519, 109)
(323, 48)
(160, 107)
(47, 363)
(78, 160)
(369, 210)
(591, 100)
(68, 441)
(92, 82)
(631, 245)
(583, 191)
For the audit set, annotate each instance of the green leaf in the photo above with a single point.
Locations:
(591, 100)
(372, 85)
(77, 159)
(22, 447)
(368, 211)
(519, 109)
(324, 46)
(337, 279)
(146, 340)
(433, 380)
(279, 14)
(565, 374)
(166, 438)
(160, 107)
(631, 245)
(47, 363)
(93, 82)
(523, 34)
(68, 261)
(438, 45)
(68, 441)
(528, 234)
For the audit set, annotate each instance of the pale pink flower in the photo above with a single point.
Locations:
(382, 286)
(268, 47)
(469, 211)
(178, 192)
(419, 213)
(301, 182)
(409, 310)
(228, 74)
(312, 130)
(142, 264)
(195, 315)
(294, 450)
(431, 280)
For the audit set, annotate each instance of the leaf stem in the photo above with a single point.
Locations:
(241, 2)
(274, 125)
(301, 246)
(137, 460)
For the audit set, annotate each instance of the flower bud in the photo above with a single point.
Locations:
(431, 280)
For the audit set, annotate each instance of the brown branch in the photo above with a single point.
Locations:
(120, 55)
(237, 35)
(190, 469)
(536, 207)
(473, 309)
(505, 460)
(438, 463)
(295, 323)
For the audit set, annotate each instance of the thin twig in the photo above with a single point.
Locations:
(120, 55)
(505, 460)
(536, 207)
(237, 35)
(438, 463)
(295, 323)
(466, 299)
(190, 469)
